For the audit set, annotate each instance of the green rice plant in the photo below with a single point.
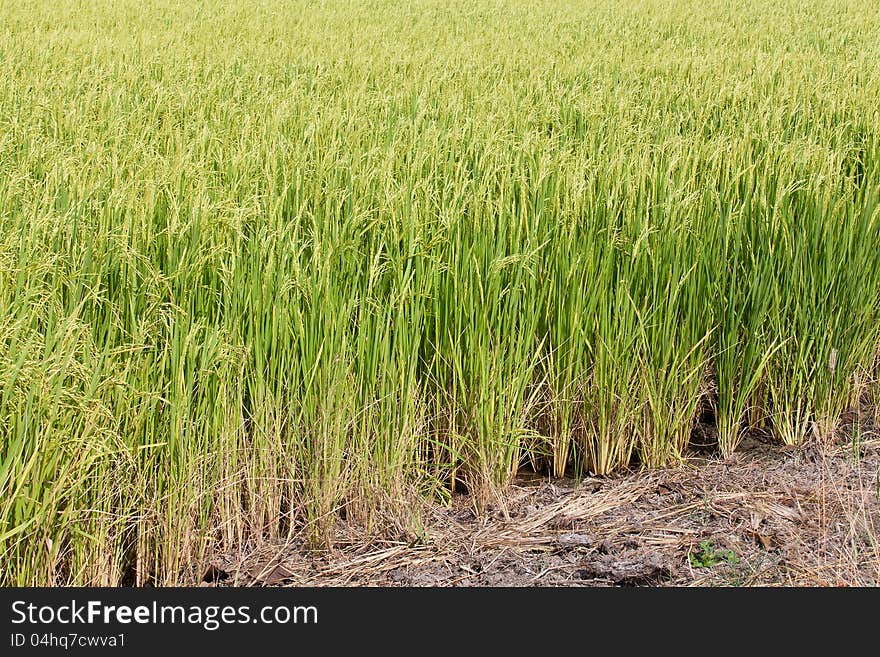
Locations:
(569, 305)
(827, 316)
(484, 344)
(742, 344)
(669, 291)
(267, 266)
(614, 399)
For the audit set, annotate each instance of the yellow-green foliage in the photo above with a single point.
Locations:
(265, 260)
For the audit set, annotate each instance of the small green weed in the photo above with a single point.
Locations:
(710, 557)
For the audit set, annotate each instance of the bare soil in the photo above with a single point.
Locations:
(769, 515)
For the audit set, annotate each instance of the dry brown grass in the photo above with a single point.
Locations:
(790, 517)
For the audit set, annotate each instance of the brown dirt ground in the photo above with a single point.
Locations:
(789, 517)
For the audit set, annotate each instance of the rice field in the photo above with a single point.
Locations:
(267, 263)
